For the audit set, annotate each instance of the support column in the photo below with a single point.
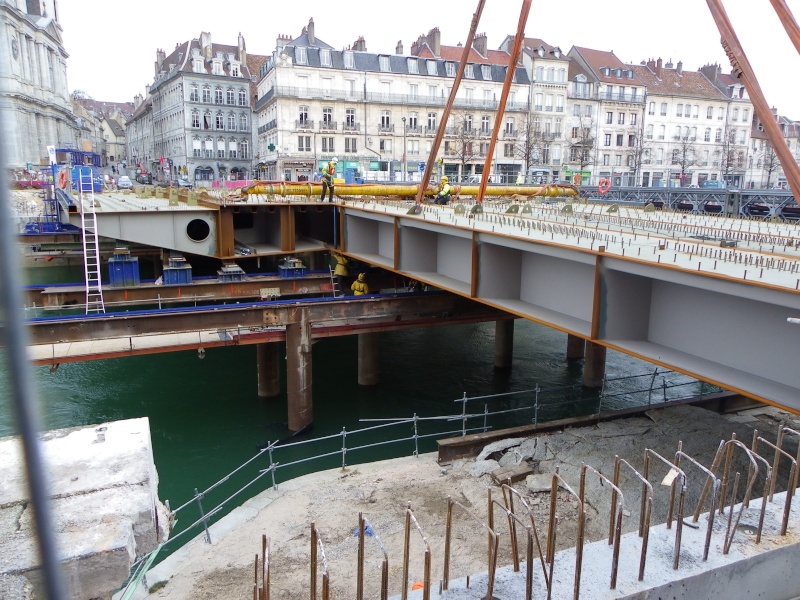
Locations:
(368, 359)
(575, 348)
(267, 360)
(503, 343)
(594, 367)
(298, 372)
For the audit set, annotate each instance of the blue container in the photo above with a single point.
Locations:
(123, 271)
(178, 275)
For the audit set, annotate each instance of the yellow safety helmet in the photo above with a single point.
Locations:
(334, 160)
(361, 277)
(445, 179)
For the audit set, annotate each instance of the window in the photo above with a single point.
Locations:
(413, 90)
(230, 96)
(508, 150)
(216, 68)
(631, 141)
(548, 102)
(609, 91)
(735, 115)
(207, 95)
(619, 139)
(607, 139)
(606, 160)
(350, 144)
(663, 109)
(468, 123)
(432, 89)
(325, 57)
(576, 110)
(327, 144)
(196, 148)
(219, 121)
(710, 112)
(676, 156)
(648, 134)
(745, 114)
(431, 121)
(195, 119)
(707, 134)
(679, 110)
(720, 114)
(575, 133)
(537, 104)
(618, 160)
(208, 148)
(197, 65)
(469, 95)
(302, 114)
(386, 119)
(383, 63)
(231, 122)
(242, 98)
(327, 115)
(206, 120)
(232, 149)
(349, 60)
(385, 145)
(431, 65)
(718, 135)
(218, 96)
(301, 56)
(244, 149)
(510, 125)
(609, 117)
(486, 72)
(633, 118)
(469, 71)
(220, 148)
(588, 111)
(194, 94)
(304, 143)
(350, 117)
(485, 124)
(662, 132)
(242, 122)
(651, 108)
(413, 66)
(412, 120)
(621, 119)
(450, 68)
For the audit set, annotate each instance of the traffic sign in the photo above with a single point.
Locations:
(421, 166)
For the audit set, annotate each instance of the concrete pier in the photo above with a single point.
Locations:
(368, 348)
(298, 372)
(105, 503)
(576, 346)
(503, 343)
(594, 367)
(267, 363)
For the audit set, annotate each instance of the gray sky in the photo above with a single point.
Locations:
(112, 45)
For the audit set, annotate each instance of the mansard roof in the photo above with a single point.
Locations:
(676, 82)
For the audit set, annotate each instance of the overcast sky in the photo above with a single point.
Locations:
(112, 45)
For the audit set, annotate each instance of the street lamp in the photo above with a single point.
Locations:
(405, 164)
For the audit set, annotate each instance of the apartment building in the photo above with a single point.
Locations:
(33, 82)
(379, 112)
(764, 169)
(684, 126)
(607, 111)
(199, 113)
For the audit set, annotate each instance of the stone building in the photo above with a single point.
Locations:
(34, 99)
(373, 110)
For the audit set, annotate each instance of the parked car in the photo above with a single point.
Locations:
(184, 183)
(713, 184)
(124, 182)
(144, 178)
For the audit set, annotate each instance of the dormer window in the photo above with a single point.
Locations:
(349, 60)
(540, 51)
(383, 62)
(450, 68)
(197, 65)
(235, 71)
(413, 66)
(618, 72)
(557, 52)
(469, 71)
(325, 57)
(301, 56)
(432, 67)
(216, 68)
(486, 72)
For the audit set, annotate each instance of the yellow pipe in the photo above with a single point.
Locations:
(403, 191)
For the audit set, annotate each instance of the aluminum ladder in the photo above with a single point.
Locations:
(91, 246)
(337, 292)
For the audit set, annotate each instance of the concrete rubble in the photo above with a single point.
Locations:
(105, 506)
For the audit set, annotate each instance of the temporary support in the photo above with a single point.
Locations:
(575, 348)
(368, 358)
(267, 363)
(298, 371)
(503, 343)
(594, 367)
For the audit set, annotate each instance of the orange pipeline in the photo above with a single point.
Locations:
(404, 191)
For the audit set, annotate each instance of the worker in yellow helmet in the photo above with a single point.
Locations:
(360, 286)
(443, 195)
(328, 173)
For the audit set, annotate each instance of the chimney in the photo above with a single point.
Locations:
(679, 68)
(147, 89)
(480, 43)
(205, 45)
(242, 50)
(414, 48)
(281, 42)
(669, 64)
(434, 40)
(399, 48)
(137, 101)
(659, 64)
(360, 45)
(312, 41)
(160, 57)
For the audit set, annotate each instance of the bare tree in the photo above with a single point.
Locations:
(531, 146)
(582, 141)
(731, 155)
(684, 154)
(462, 140)
(638, 152)
(769, 163)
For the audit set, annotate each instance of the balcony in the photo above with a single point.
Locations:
(351, 126)
(451, 131)
(328, 126)
(510, 134)
(385, 128)
(304, 125)
(430, 131)
(414, 130)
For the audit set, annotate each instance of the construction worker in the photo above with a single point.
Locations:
(340, 271)
(443, 196)
(327, 179)
(360, 286)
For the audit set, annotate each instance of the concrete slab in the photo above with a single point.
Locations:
(105, 505)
